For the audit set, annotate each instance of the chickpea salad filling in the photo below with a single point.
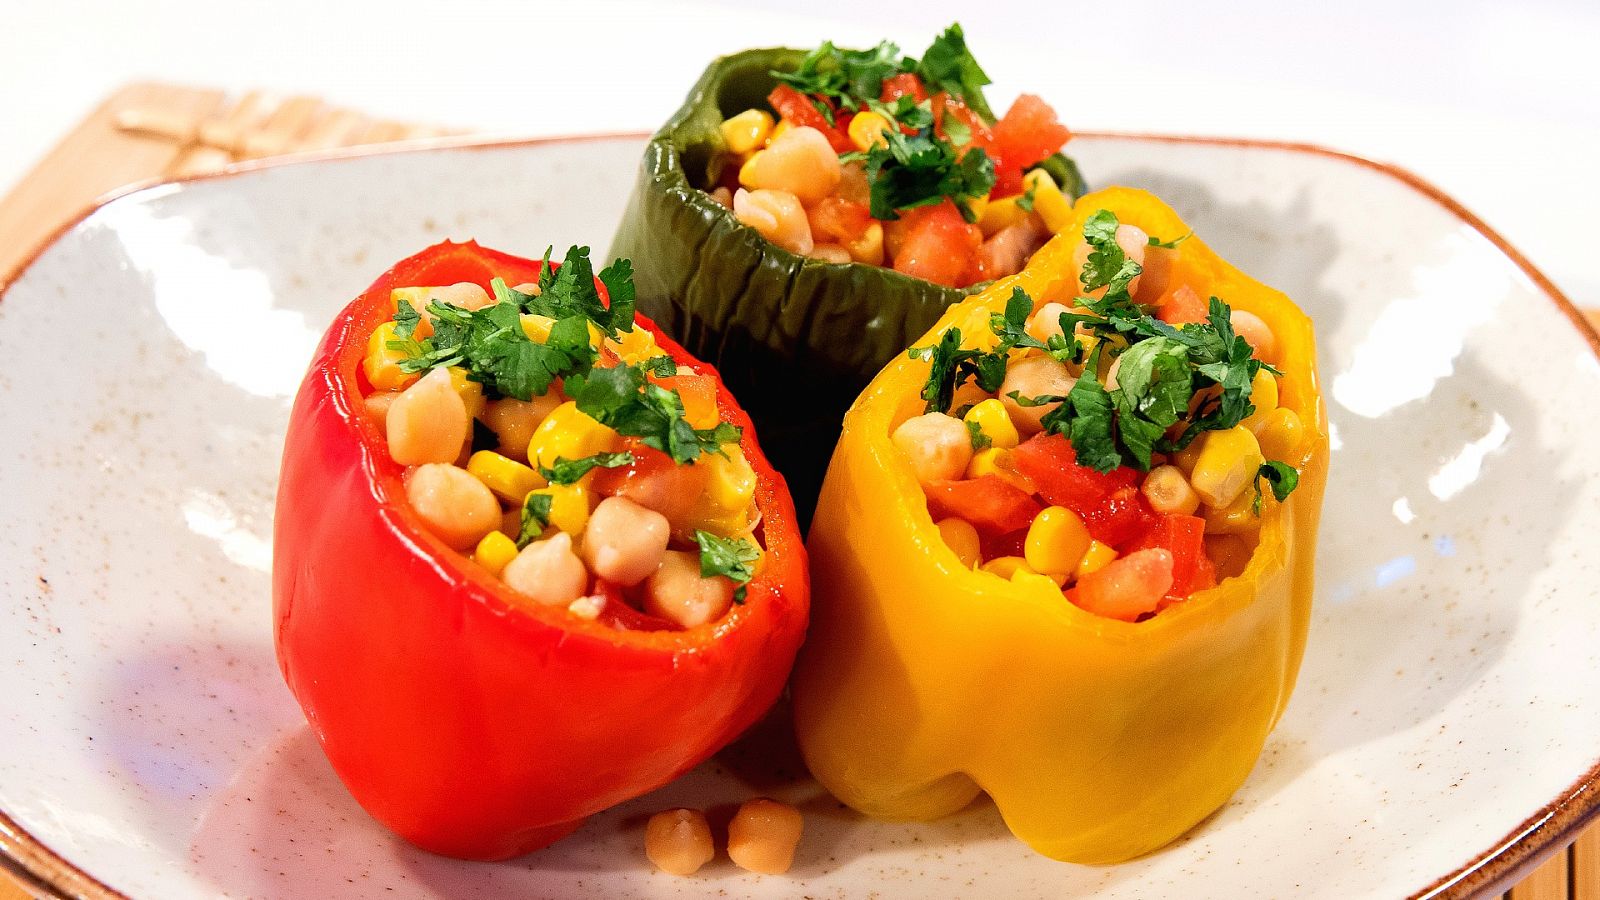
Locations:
(1120, 446)
(556, 443)
(866, 156)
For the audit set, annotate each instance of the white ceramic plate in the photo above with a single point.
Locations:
(1447, 720)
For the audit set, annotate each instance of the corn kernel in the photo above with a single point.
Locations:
(634, 346)
(1227, 465)
(570, 505)
(471, 392)
(382, 365)
(868, 248)
(779, 129)
(1280, 434)
(1056, 542)
(747, 171)
(962, 539)
(494, 551)
(992, 420)
(1048, 201)
(747, 131)
(507, 478)
(1026, 576)
(568, 433)
(1006, 566)
(1095, 558)
(1169, 492)
(998, 214)
(1240, 516)
(867, 130)
(732, 484)
(1264, 394)
(997, 462)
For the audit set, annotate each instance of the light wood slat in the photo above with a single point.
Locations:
(1586, 852)
(95, 158)
(1548, 882)
(283, 129)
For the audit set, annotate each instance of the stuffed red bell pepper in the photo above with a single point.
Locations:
(529, 559)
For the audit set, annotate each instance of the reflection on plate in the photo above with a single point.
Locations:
(1447, 707)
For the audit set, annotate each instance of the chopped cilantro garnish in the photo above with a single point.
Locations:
(906, 171)
(947, 65)
(624, 400)
(728, 557)
(662, 366)
(568, 471)
(1025, 202)
(1157, 242)
(1281, 477)
(535, 518)
(570, 292)
(491, 344)
(845, 76)
(978, 439)
(1161, 369)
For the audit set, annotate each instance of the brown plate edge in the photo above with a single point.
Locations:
(1487, 873)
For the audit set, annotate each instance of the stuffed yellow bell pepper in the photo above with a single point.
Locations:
(958, 648)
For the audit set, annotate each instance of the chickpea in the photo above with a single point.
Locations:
(801, 162)
(377, 406)
(763, 835)
(624, 541)
(1046, 323)
(678, 841)
(937, 446)
(677, 591)
(1133, 241)
(454, 505)
(778, 215)
(464, 294)
(548, 572)
(1254, 329)
(1157, 274)
(513, 421)
(428, 422)
(1036, 376)
(830, 253)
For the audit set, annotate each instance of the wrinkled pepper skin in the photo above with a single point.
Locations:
(795, 338)
(923, 682)
(473, 726)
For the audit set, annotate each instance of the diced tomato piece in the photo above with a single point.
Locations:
(938, 245)
(1009, 544)
(1029, 132)
(838, 219)
(798, 109)
(623, 617)
(1121, 520)
(1049, 461)
(1126, 588)
(1007, 177)
(992, 505)
(903, 84)
(944, 105)
(654, 481)
(1182, 305)
(1184, 538)
(699, 393)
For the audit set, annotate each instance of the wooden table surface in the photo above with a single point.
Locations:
(147, 131)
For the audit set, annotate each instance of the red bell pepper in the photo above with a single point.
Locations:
(473, 725)
(993, 505)
(799, 109)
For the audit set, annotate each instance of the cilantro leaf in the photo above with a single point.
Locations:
(1172, 244)
(1281, 477)
(570, 291)
(618, 279)
(728, 557)
(944, 371)
(977, 438)
(624, 400)
(906, 171)
(491, 344)
(847, 76)
(535, 518)
(406, 319)
(568, 471)
(947, 65)
(1025, 202)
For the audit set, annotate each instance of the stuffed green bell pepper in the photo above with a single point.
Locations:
(805, 215)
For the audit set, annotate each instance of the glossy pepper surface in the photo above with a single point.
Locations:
(471, 724)
(795, 338)
(924, 682)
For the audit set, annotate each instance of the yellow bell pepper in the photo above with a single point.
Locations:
(925, 682)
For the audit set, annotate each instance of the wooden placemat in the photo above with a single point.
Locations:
(148, 131)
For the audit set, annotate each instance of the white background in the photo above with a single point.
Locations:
(1498, 104)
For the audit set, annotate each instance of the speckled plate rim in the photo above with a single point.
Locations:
(1486, 873)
